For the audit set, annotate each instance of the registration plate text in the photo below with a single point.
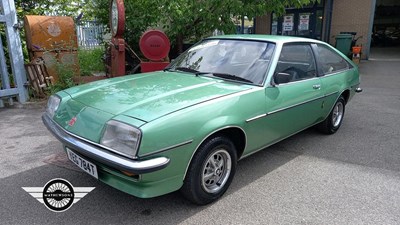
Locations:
(82, 163)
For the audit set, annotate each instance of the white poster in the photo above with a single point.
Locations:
(287, 24)
(304, 21)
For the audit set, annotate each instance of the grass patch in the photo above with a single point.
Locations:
(91, 61)
(65, 74)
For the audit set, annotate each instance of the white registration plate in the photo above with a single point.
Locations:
(82, 163)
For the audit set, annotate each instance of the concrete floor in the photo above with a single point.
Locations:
(385, 53)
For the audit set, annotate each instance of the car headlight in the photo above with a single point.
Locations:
(52, 105)
(122, 138)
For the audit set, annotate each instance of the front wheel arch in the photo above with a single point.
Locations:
(235, 133)
(221, 151)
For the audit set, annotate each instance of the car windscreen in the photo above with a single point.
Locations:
(239, 60)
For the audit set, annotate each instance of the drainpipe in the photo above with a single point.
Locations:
(328, 21)
(242, 29)
(254, 25)
(371, 24)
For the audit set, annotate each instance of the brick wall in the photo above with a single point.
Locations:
(354, 16)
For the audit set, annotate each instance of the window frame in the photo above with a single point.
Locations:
(321, 73)
(314, 58)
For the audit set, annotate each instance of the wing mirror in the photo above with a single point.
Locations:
(281, 78)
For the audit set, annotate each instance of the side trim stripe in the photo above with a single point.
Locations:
(256, 117)
(288, 107)
(167, 148)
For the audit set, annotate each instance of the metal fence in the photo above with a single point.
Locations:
(90, 34)
(12, 82)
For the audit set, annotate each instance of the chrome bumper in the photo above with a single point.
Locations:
(95, 152)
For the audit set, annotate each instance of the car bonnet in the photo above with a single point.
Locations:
(149, 96)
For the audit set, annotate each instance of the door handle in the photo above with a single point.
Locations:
(317, 86)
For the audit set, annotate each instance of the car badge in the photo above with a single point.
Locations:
(72, 121)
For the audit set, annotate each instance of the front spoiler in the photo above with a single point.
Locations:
(96, 152)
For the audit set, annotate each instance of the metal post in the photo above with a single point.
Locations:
(328, 20)
(15, 49)
(4, 73)
(242, 27)
(3, 68)
(370, 28)
(254, 25)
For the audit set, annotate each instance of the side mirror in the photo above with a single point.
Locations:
(281, 78)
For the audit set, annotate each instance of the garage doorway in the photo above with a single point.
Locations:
(385, 41)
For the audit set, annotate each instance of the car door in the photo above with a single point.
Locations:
(337, 74)
(295, 104)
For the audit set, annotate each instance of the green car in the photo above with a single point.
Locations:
(186, 127)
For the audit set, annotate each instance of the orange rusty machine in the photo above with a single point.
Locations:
(53, 39)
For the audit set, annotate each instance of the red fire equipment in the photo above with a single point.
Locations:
(155, 46)
(117, 25)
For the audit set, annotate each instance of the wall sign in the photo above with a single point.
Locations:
(287, 24)
(304, 22)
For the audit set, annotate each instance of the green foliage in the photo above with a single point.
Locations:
(182, 20)
(190, 20)
(65, 74)
(139, 14)
(54, 7)
(196, 19)
(91, 61)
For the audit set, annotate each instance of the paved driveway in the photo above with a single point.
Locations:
(352, 177)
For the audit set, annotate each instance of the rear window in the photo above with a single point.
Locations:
(330, 61)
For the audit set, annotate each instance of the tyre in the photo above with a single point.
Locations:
(332, 123)
(211, 171)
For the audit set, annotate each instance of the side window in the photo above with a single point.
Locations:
(296, 60)
(330, 61)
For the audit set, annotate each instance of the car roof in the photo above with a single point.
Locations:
(265, 37)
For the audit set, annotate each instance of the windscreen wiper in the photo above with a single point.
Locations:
(187, 69)
(226, 76)
(168, 69)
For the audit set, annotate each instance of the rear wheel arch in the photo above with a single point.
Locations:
(334, 119)
(346, 95)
